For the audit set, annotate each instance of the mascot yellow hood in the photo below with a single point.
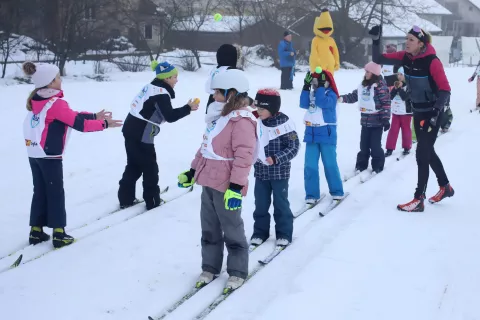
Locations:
(323, 26)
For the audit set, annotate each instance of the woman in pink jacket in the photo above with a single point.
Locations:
(46, 129)
(221, 166)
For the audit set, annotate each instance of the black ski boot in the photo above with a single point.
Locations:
(61, 239)
(406, 151)
(388, 153)
(37, 236)
(125, 206)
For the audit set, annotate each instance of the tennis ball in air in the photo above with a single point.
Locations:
(318, 70)
(217, 17)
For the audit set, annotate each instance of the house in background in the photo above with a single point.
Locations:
(465, 18)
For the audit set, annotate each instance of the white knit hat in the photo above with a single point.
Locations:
(42, 73)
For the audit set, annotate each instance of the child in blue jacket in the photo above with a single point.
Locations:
(319, 96)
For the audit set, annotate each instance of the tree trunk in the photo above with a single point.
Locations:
(6, 54)
(197, 57)
(62, 60)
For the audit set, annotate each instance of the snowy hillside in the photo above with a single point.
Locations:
(365, 260)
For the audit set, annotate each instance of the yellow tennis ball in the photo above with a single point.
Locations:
(318, 70)
(217, 17)
(196, 101)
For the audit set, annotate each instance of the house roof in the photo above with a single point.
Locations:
(428, 7)
(476, 3)
(395, 24)
(396, 20)
(227, 24)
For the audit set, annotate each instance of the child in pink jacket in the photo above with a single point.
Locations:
(221, 166)
(46, 129)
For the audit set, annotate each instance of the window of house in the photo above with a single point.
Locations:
(148, 32)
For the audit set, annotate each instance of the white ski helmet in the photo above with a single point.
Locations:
(230, 79)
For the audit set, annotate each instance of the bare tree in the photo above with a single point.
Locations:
(11, 16)
(196, 14)
(139, 15)
(71, 27)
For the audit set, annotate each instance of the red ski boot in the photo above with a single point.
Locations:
(416, 205)
(445, 192)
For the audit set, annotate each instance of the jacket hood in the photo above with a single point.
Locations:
(42, 97)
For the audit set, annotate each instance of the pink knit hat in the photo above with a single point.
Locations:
(374, 68)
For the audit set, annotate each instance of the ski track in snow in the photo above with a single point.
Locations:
(364, 260)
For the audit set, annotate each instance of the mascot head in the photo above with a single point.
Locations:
(323, 26)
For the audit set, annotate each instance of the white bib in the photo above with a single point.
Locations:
(33, 127)
(213, 73)
(137, 104)
(314, 115)
(398, 105)
(264, 135)
(387, 70)
(366, 103)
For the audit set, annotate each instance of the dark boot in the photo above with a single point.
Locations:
(37, 236)
(61, 239)
(406, 151)
(388, 153)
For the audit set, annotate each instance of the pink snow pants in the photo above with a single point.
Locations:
(400, 122)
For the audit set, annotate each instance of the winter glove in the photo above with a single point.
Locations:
(386, 125)
(375, 33)
(307, 82)
(186, 179)
(233, 199)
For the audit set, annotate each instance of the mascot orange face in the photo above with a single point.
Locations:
(324, 50)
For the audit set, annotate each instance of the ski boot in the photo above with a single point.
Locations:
(406, 151)
(445, 192)
(37, 236)
(61, 239)
(204, 279)
(416, 205)
(256, 242)
(124, 206)
(388, 153)
(233, 284)
(282, 242)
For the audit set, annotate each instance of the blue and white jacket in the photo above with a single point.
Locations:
(321, 116)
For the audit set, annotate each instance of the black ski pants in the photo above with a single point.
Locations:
(48, 201)
(426, 155)
(286, 80)
(141, 159)
(371, 145)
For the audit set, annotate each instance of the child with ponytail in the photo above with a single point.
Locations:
(46, 130)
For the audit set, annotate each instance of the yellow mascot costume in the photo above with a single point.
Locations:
(324, 51)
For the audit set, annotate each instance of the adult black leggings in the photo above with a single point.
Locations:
(426, 155)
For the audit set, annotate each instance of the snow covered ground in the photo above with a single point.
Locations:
(365, 260)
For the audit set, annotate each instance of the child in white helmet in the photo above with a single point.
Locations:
(221, 166)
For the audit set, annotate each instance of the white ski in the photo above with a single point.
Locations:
(333, 205)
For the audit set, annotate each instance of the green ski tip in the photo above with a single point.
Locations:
(17, 262)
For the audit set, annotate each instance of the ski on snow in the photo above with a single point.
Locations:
(20, 258)
(262, 263)
(163, 191)
(333, 205)
(251, 248)
(226, 293)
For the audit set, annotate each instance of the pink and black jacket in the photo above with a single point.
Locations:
(58, 118)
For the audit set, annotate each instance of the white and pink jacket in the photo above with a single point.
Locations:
(47, 126)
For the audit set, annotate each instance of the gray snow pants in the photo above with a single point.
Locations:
(219, 227)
